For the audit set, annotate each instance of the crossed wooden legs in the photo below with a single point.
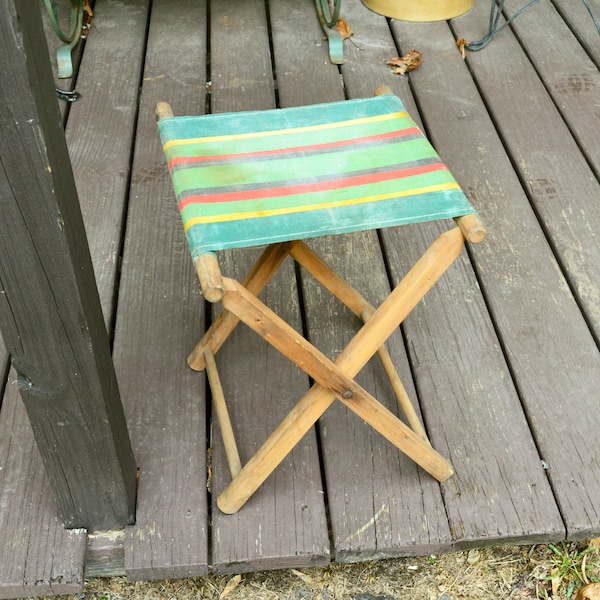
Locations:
(333, 379)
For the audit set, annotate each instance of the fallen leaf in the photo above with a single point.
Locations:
(344, 29)
(303, 576)
(595, 543)
(556, 581)
(410, 61)
(584, 577)
(589, 592)
(461, 43)
(87, 19)
(231, 585)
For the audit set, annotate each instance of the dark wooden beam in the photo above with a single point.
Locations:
(50, 314)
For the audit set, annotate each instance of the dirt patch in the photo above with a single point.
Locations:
(509, 572)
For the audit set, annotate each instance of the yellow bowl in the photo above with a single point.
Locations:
(420, 10)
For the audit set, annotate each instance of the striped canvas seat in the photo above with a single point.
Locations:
(253, 178)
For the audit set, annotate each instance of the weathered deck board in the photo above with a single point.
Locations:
(38, 555)
(573, 83)
(161, 319)
(255, 376)
(550, 164)
(99, 132)
(458, 393)
(304, 73)
(552, 168)
(378, 501)
(538, 320)
(576, 15)
(291, 500)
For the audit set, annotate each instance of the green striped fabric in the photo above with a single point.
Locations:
(252, 178)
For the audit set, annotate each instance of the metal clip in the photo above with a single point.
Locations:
(67, 95)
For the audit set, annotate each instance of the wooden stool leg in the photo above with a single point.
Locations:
(278, 445)
(336, 378)
(399, 390)
(233, 457)
(349, 296)
(329, 279)
(334, 382)
(260, 274)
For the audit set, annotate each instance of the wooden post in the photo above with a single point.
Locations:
(50, 314)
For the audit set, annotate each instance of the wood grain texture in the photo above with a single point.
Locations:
(471, 408)
(380, 503)
(304, 73)
(237, 84)
(160, 318)
(105, 554)
(467, 369)
(453, 389)
(260, 385)
(100, 132)
(574, 84)
(38, 555)
(50, 312)
(551, 166)
(547, 157)
(576, 15)
(527, 294)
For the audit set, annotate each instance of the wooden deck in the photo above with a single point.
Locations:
(502, 356)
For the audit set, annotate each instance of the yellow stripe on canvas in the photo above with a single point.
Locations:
(297, 209)
(259, 134)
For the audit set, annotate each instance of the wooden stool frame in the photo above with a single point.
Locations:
(333, 379)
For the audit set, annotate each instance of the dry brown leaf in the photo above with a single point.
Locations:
(589, 592)
(344, 29)
(306, 578)
(410, 61)
(556, 581)
(584, 577)
(461, 43)
(231, 585)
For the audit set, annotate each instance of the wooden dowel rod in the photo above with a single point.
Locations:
(329, 279)
(231, 450)
(399, 390)
(382, 90)
(163, 110)
(211, 280)
(472, 228)
(258, 277)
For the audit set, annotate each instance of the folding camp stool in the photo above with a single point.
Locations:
(277, 177)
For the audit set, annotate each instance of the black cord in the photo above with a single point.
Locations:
(493, 29)
(594, 17)
(496, 12)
